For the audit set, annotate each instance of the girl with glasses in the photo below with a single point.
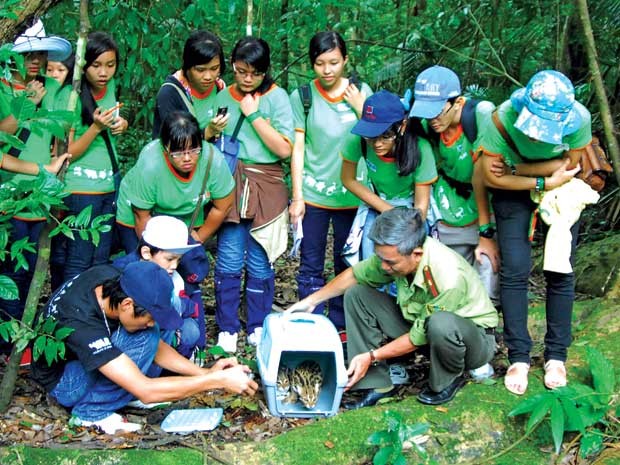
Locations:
(319, 197)
(255, 232)
(400, 163)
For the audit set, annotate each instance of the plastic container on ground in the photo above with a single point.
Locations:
(291, 338)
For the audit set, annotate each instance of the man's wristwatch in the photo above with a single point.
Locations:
(487, 230)
(373, 360)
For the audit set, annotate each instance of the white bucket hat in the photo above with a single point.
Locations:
(34, 40)
(167, 233)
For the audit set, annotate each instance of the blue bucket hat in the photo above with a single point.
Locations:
(546, 107)
(381, 111)
(150, 286)
(433, 88)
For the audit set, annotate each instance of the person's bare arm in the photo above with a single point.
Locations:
(141, 217)
(422, 198)
(348, 176)
(274, 141)
(334, 288)
(297, 208)
(124, 372)
(9, 125)
(360, 363)
(215, 218)
(101, 121)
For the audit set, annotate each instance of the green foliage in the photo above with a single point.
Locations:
(391, 441)
(577, 407)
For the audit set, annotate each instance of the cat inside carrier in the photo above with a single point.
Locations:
(301, 364)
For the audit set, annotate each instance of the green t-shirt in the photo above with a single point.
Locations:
(383, 172)
(204, 105)
(5, 105)
(275, 107)
(91, 173)
(455, 158)
(326, 129)
(460, 289)
(153, 184)
(38, 144)
(492, 142)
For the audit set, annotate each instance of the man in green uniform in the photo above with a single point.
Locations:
(440, 302)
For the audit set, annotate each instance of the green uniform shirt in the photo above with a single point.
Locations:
(492, 142)
(456, 159)
(274, 106)
(326, 128)
(91, 173)
(459, 287)
(383, 172)
(5, 105)
(38, 145)
(204, 105)
(153, 184)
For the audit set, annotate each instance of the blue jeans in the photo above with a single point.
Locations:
(513, 211)
(92, 395)
(236, 249)
(312, 265)
(82, 254)
(22, 278)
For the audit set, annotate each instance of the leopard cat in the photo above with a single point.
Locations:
(307, 380)
(284, 392)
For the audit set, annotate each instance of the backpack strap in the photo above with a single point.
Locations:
(502, 130)
(203, 190)
(305, 95)
(468, 120)
(186, 101)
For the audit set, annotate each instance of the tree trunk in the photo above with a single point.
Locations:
(10, 28)
(250, 18)
(599, 87)
(284, 52)
(7, 386)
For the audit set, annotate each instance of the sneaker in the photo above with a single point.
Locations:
(398, 374)
(255, 337)
(227, 341)
(109, 425)
(141, 405)
(482, 373)
(26, 359)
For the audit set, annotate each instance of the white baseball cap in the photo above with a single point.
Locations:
(167, 233)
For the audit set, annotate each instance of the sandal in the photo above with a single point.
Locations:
(555, 374)
(516, 378)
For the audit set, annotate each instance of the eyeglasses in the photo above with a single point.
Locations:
(385, 137)
(181, 153)
(243, 73)
(445, 111)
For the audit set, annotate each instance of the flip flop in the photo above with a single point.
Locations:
(555, 374)
(516, 378)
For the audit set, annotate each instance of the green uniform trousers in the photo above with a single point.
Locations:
(456, 344)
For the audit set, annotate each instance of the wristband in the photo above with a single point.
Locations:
(253, 116)
(540, 185)
(373, 360)
(513, 169)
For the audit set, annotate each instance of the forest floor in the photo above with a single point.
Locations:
(35, 420)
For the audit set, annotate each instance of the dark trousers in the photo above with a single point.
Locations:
(456, 344)
(82, 254)
(513, 212)
(310, 277)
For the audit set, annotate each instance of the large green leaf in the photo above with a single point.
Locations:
(378, 438)
(540, 411)
(591, 443)
(526, 405)
(557, 424)
(603, 373)
(8, 288)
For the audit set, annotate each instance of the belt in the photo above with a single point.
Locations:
(490, 331)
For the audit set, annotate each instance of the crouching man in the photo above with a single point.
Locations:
(116, 317)
(441, 302)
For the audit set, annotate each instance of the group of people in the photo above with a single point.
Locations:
(428, 200)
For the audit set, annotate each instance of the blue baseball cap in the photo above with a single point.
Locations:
(150, 286)
(546, 107)
(381, 111)
(433, 87)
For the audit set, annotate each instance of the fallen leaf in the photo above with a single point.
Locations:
(329, 444)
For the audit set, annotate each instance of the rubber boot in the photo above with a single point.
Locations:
(259, 299)
(227, 301)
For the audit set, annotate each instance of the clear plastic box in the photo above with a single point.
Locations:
(289, 339)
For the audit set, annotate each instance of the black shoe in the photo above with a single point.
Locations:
(370, 398)
(430, 397)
